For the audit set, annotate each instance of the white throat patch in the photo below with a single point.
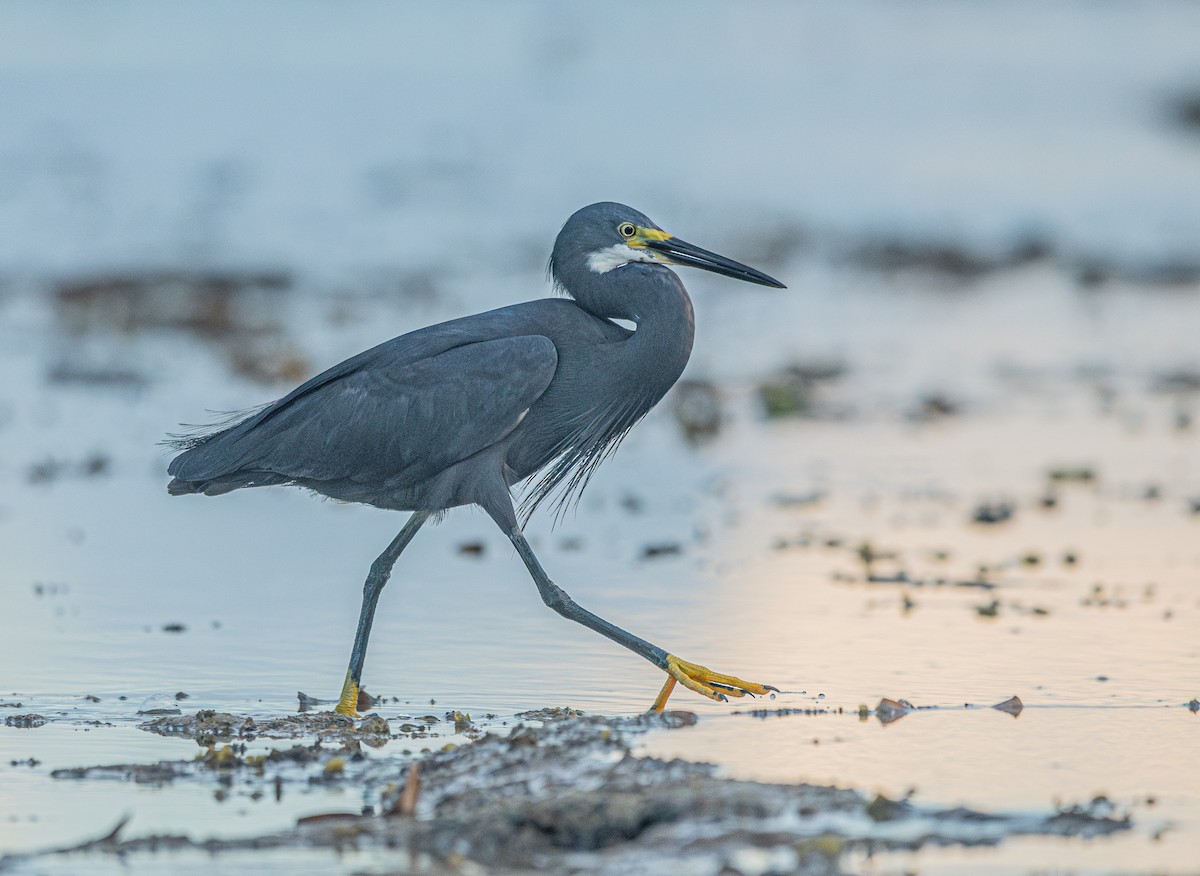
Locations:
(604, 260)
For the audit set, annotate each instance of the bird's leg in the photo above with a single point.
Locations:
(381, 570)
(704, 681)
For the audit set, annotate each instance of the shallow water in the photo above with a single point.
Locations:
(266, 586)
(941, 137)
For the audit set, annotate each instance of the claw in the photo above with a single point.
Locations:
(714, 685)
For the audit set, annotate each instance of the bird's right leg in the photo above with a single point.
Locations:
(381, 570)
(693, 676)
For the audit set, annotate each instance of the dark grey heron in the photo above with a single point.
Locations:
(458, 413)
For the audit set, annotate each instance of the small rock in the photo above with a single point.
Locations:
(159, 704)
(1013, 706)
(890, 710)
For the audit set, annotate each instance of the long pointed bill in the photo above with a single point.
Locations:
(680, 252)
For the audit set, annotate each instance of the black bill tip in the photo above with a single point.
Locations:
(680, 252)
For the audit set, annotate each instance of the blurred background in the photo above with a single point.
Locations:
(983, 375)
(896, 163)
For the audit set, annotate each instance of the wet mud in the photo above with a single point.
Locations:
(563, 793)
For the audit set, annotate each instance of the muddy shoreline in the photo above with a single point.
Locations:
(563, 794)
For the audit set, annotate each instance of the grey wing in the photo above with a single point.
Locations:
(384, 424)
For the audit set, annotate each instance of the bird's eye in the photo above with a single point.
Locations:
(627, 229)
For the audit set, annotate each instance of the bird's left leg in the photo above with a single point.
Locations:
(714, 685)
(381, 570)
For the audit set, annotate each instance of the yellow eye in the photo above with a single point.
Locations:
(627, 229)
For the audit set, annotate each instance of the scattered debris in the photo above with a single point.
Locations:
(1181, 381)
(207, 303)
(1012, 706)
(1184, 110)
(793, 391)
(990, 609)
(25, 722)
(1168, 273)
(890, 710)
(208, 724)
(405, 803)
(462, 723)
(780, 713)
(697, 408)
(269, 362)
(140, 773)
(993, 512)
(571, 795)
(663, 549)
(159, 704)
(308, 703)
(49, 470)
(882, 809)
(1083, 819)
(550, 713)
(951, 261)
(1079, 474)
(235, 310)
(472, 549)
(798, 500)
(632, 503)
(934, 407)
(96, 376)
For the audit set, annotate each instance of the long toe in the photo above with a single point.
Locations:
(701, 679)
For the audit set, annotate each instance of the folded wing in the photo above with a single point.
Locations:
(386, 417)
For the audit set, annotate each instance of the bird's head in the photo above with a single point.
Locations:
(604, 237)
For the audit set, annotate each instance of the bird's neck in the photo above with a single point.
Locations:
(666, 324)
(654, 299)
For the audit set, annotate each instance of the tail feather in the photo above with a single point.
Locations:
(180, 487)
(209, 465)
(198, 434)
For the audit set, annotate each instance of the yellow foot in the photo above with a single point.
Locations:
(348, 702)
(704, 681)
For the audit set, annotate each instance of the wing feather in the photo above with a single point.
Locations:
(375, 421)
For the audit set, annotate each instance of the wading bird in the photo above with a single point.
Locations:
(458, 413)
